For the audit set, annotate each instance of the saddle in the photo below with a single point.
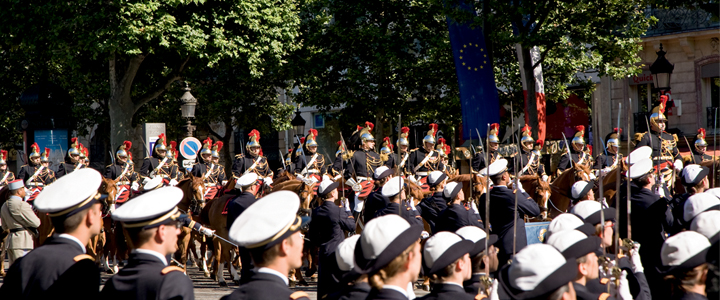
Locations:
(225, 208)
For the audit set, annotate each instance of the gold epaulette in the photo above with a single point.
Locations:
(169, 269)
(480, 296)
(604, 296)
(675, 137)
(83, 256)
(298, 295)
(348, 154)
(604, 281)
(687, 159)
(239, 156)
(639, 136)
(413, 150)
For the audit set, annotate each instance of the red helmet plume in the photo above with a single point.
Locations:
(219, 145)
(617, 130)
(580, 128)
(405, 130)
(369, 125)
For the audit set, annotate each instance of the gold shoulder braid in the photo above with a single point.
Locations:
(371, 164)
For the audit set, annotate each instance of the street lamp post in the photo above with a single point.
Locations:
(661, 70)
(298, 124)
(188, 109)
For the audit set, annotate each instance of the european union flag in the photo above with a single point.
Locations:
(478, 96)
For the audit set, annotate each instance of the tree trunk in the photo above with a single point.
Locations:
(379, 131)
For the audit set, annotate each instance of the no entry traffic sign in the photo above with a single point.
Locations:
(189, 147)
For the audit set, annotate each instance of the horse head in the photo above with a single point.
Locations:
(108, 187)
(539, 190)
(414, 192)
(193, 193)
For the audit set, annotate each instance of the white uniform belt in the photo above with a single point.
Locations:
(360, 178)
(36, 184)
(422, 173)
(122, 183)
(313, 171)
(663, 158)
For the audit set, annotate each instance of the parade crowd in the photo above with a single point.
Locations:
(372, 225)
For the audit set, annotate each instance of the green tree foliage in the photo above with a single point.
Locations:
(124, 54)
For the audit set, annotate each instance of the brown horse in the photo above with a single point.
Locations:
(540, 191)
(192, 203)
(609, 182)
(560, 196)
(223, 252)
(479, 185)
(105, 243)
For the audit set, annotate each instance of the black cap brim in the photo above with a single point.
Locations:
(692, 262)
(595, 218)
(700, 176)
(455, 191)
(480, 245)
(560, 277)
(303, 222)
(589, 245)
(587, 229)
(382, 175)
(585, 191)
(329, 189)
(395, 248)
(450, 255)
(440, 179)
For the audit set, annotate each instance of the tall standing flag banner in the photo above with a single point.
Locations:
(478, 95)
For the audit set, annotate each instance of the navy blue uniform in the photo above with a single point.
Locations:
(146, 277)
(357, 291)
(411, 214)
(66, 167)
(457, 216)
(472, 285)
(416, 159)
(605, 160)
(59, 267)
(236, 207)
(242, 163)
(529, 159)
(43, 178)
(115, 171)
(583, 293)
(386, 294)
(265, 286)
(677, 207)
(151, 163)
(443, 291)
(577, 157)
(374, 202)
(359, 163)
(431, 207)
(478, 162)
(326, 231)
(502, 210)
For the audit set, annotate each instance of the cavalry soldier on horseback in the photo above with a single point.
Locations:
(404, 145)
(159, 163)
(386, 153)
(425, 160)
(530, 159)
(35, 175)
(152, 222)
(478, 162)
(445, 152)
(72, 160)
(20, 220)
(665, 154)
(174, 167)
(577, 150)
(606, 162)
(275, 248)
(219, 171)
(309, 163)
(60, 266)
(206, 169)
(362, 165)
(5, 175)
(84, 156)
(254, 162)
(122, 173)
(131, 169)
(341, 157)
(698, 154)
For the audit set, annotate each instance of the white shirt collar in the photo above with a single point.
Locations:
(74, 239)
(397, 288)
(153, 253)
(274, 272)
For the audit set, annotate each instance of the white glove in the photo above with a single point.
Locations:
(207, 231)
(27, 182)
(135, 186)
(112, 208)
(494, 291)
(358, 204)
(624, 287)
(173, 182)
(474, 208)
(224, 182)
(145, 181)
(518, 186)
(424, 234)
(268, 181)
(635, 259)
(346, 204)
(592, 176)
(336, 178)
(660, 191)
(545, 178)
(678, 165)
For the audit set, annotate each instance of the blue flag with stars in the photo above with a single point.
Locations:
(478, 96)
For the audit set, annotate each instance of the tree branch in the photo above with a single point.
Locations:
(217, 135)
(172, 77)
(132, 69)
(113, 75)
